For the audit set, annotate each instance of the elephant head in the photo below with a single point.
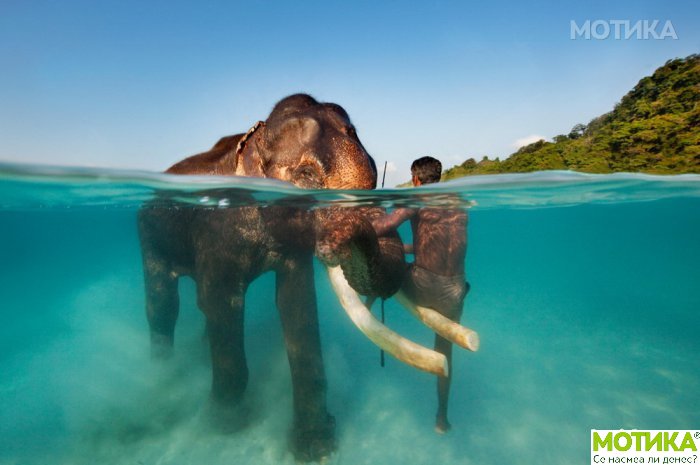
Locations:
(309, 144)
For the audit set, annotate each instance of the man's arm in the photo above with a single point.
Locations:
(393, 220)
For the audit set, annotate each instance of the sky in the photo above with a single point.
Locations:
(141, 85)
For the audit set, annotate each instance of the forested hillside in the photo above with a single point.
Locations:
(655, 128)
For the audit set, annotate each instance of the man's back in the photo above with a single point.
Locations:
(440, 240)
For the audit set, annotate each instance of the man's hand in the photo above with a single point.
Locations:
(393, 220)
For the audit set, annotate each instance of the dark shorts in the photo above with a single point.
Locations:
(442, 293)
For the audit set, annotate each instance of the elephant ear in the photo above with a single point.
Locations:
(287, 135)
(249, 160)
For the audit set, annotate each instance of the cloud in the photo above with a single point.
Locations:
(527, 140)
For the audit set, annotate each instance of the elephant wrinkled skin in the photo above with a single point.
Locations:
(311, 145)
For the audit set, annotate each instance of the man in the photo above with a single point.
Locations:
(436, 278)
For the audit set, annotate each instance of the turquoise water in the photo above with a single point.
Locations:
(585, 292)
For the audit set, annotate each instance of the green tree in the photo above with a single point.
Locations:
(654, 129)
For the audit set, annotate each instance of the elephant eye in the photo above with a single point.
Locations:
(308, 176)
(351, 131)
(305, 171)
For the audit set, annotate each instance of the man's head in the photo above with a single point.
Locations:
(425, 170)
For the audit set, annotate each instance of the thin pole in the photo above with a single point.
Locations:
(384, 174)
(381, 352)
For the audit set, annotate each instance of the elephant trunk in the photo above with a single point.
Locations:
(403, 349)
(359, 262)
(374, 266)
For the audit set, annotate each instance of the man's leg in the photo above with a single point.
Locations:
(453, 301)
(443, 346)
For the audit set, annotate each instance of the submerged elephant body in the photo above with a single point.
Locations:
(311, 145)
(232, 247)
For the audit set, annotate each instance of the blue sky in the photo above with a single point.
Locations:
(135, 84)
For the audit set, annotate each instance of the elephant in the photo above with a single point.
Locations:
(311, 145)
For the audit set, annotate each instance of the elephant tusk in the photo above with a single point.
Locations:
(407, 351)
(450, 330)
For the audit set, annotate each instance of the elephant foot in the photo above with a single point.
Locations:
(227, 417)
(314, 443)
(161, 346)
(442, 426)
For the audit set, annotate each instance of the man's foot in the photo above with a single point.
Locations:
(442, 426)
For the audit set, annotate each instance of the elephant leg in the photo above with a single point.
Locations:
(162, 305)
(224, 313)
(313, 433)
